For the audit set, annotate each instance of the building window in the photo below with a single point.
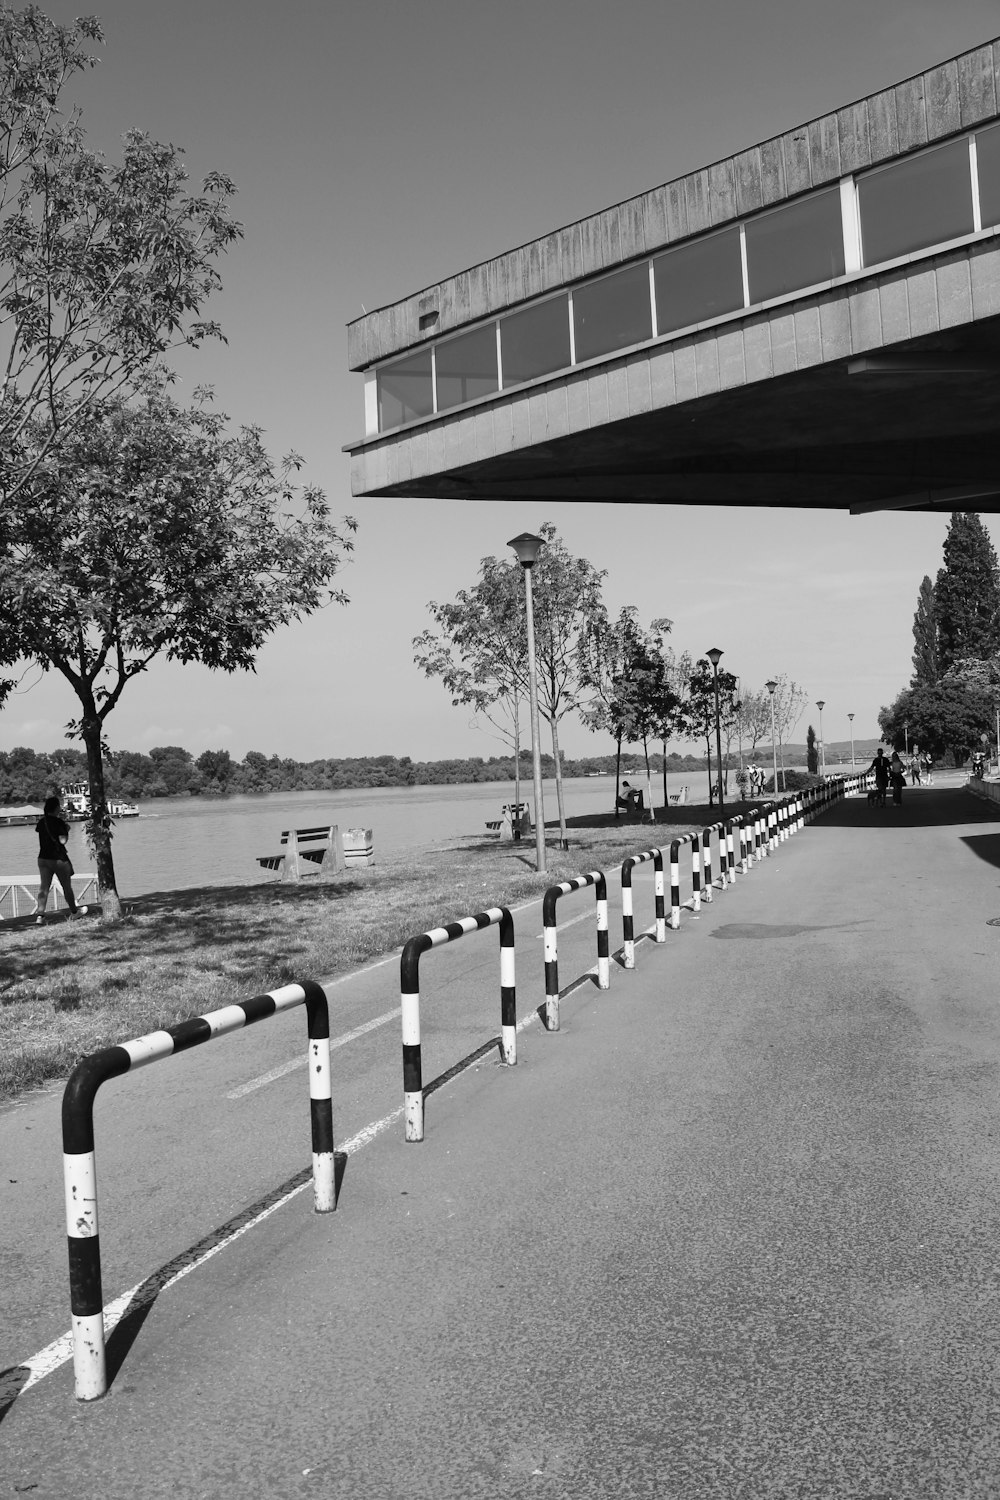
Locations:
(912, 204)
(795, 246)
(612, 312)
(466, 367)
(988, 161)
(405, 390)
(536, 341)
(700, 281)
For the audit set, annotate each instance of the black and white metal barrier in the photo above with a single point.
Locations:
(409, 984)
(79, 1165)
(628, 930)
(676, 846)
(597, 880)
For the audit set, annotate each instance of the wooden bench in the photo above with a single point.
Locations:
(514, 820)
(677, 798)
(321, 846)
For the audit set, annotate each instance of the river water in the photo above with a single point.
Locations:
(182, 842)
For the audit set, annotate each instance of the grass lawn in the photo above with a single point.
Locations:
(70, 987)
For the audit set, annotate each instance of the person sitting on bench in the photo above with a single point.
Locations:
(631, 799)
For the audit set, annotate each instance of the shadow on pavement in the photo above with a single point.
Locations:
(985, 845)
(922, 807)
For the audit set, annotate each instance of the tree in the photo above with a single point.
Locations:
(103, 268)
(700, 708)
(812, 751)
(155, 532)
(967, 593)
(789, 701)
(948, 715)
(607, 652)
(925, 651)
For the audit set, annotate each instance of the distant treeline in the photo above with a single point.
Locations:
(170, 771)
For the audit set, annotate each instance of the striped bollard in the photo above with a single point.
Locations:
(695, 873)
(730, 854)
(409, 996)
(80, 1163)
(595, 878)
(675, 877)
(706, 864)
(628, 923)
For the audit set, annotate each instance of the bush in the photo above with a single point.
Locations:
(795, 781)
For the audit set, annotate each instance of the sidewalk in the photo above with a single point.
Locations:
(730, 1232)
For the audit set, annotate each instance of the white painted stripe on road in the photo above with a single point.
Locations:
(300, 1062)
(56, 1354)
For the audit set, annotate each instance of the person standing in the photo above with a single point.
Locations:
(53, 859)
(915, 767)
(879, 768)
(897, 777)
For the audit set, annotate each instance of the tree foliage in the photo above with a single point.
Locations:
(812, 751)
(700, 709)
(925, 649)
(154, 531)
(967, 593)
(940, 716)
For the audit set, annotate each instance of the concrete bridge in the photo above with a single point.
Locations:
(813, 321)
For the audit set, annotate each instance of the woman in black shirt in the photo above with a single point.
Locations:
(53, 836)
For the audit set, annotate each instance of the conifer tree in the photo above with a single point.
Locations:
(925, 652)
(967, 594)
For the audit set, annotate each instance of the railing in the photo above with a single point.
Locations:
(19, 893)
(549, 900)
(79, 1162)
(409, 985)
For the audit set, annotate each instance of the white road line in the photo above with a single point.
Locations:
(56, 1354)
(585, 916)
(300, 1062)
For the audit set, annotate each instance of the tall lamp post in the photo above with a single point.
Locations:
(714, 657)
(851, 721)
(822, 747)
(771, 687)
(527, 548)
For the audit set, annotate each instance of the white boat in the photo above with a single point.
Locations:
(76, 803)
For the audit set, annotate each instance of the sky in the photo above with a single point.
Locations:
(380, 146)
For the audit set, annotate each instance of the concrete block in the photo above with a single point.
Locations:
(783, 351)
(632, 228)
(835, 326)
(676, 205)
(485, 441)
(685, 372)
(798, 168)
(808, 339)
(503, 427)
(954, 293)
(611, 236)
(853, 138)
(538, 415)
(944, 107)
(772, 172)
(882, 133)
(722, 192)
(577, 404)
(706, 356)
(591, 245)
(617, 393)
(921, 291)
(984, 268)
(757, 349)
(911, 119)
(521, 428)
(696, 201)
(662, 390)
(417, 444)
(977, 95)
(654, 218)
(824, 150)
(732, 368)
(496, 284)
(749, 195)
(556, 410)
(597, 398)
(866, 319)
(435, 449)
(637, 384)
(894, 308)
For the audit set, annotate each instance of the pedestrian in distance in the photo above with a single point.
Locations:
(915, 768)
(928, 768)
(879, 768)
(898, 779)
(53, 859)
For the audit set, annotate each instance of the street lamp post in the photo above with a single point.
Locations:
(714, 657)
(772, 687)
(822, 747)
(851, 721)
(527, 548)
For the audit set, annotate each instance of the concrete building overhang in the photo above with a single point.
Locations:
(876, 388)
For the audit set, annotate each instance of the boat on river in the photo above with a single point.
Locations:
(76, 803)
(19, 817)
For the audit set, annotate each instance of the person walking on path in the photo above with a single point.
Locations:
(898, 779)
(53, 859)
(915, 767)
(879, 768)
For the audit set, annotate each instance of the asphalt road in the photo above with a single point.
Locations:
(731, 1232)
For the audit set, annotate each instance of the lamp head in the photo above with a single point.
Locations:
(771, 686)
(527, 548)
(851, 717)
(820, 704)
(714, 657)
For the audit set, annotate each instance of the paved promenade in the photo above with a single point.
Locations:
(733, 1231)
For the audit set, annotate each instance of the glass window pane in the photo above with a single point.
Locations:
(466, 367)
(795, 246)
(612, 313)
(916, 203)
(988, 160)
(699, 281)
(535, 341)
(404, 390)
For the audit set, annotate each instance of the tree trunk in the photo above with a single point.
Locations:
(711, 784)
(98, 824)
(563, 843)
(618, 777)
(516, 822)
(649, 783)
(666, 799)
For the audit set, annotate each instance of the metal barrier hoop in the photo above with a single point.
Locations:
(409, 985)
(79, 1162)
(597, 879)
(628, 933)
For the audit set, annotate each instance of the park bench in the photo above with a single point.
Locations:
(514, 821)
(321, 847)
(677, 798)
